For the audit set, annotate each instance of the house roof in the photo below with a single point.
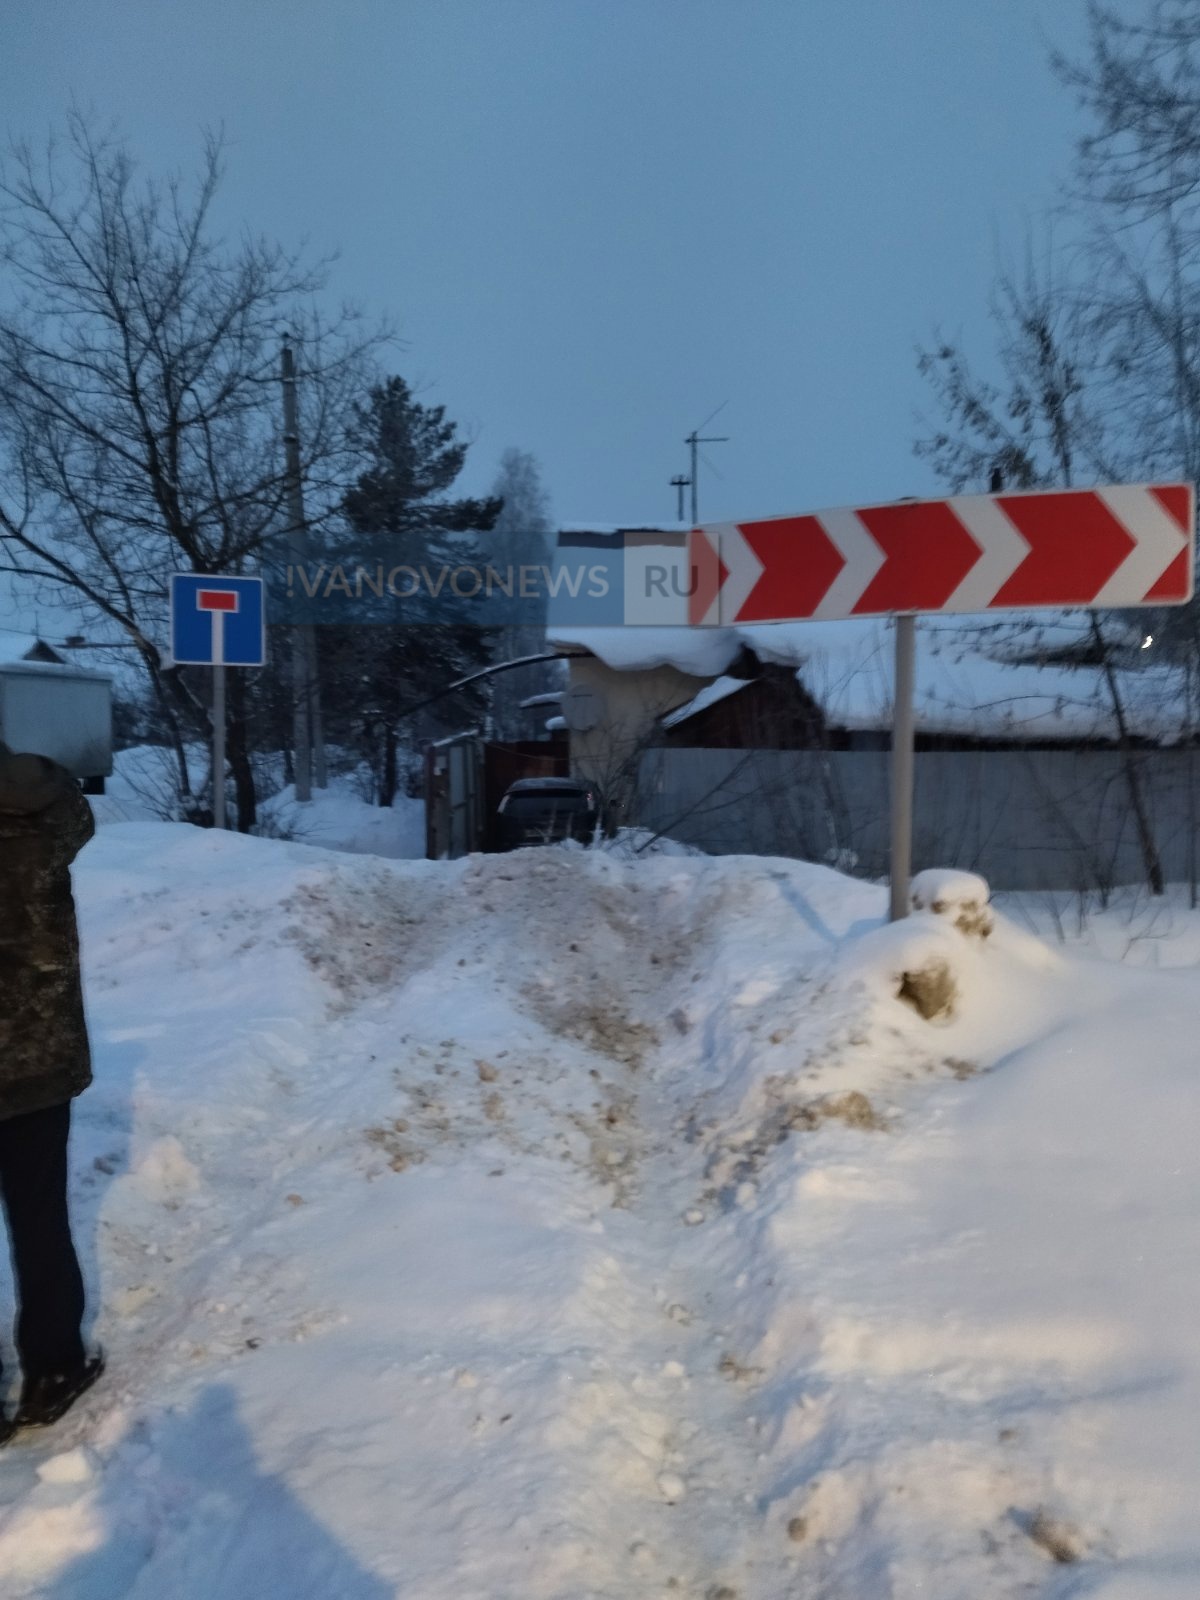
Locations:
(17, 646)
(53, 669)
(969, 686)
(963, 687)
(702, 652)
(711, 694)
(577, 531)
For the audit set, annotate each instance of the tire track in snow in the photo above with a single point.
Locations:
(678, 1391)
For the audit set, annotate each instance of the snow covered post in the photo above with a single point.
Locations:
(902, 765)
(961, 897)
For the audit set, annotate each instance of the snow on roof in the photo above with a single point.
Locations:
(54, 669)
(960, 689)
(703, 652)
(847, 668)
(710, 695)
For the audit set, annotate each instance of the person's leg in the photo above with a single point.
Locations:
(33, 1177)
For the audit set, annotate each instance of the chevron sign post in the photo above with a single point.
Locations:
(1127, 545)
(1122, 545)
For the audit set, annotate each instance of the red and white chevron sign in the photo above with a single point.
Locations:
(1125, 545)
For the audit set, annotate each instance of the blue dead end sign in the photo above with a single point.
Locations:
(217, 620)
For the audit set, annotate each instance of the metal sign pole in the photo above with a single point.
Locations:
(217, 618)
(218, 744)
(902, 765)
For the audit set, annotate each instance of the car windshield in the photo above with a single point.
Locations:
(542, 802)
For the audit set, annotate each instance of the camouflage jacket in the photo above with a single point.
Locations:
(44, 823)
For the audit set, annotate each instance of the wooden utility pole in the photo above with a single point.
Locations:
(307, 732)
(679, 483)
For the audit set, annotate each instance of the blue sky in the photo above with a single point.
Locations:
(594, 221)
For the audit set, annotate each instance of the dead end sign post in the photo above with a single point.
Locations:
(218, 621)
(1120, 545)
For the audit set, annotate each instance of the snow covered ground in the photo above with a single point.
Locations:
(338, 818)
(556, 1225)
(142, 788)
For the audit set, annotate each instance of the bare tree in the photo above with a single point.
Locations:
(1138, 190)
(139, 396)
(520, 538)
(1033, 429)
(1140, 86)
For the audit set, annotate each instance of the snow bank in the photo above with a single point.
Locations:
(338, 818)
(557, 1224)
(631, 844)
(142, 788)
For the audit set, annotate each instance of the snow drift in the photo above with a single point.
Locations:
(561, 1225)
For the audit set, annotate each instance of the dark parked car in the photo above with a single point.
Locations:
(546, 810)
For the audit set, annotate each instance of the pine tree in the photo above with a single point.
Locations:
(395, 651)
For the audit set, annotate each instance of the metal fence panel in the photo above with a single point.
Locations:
(1025, 819)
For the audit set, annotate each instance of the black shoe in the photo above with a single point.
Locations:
(7, 1428)
(44, 1400)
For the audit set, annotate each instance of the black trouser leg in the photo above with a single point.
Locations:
(33, 1180)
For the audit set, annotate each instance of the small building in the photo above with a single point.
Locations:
(545, 713)
(56, 709)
